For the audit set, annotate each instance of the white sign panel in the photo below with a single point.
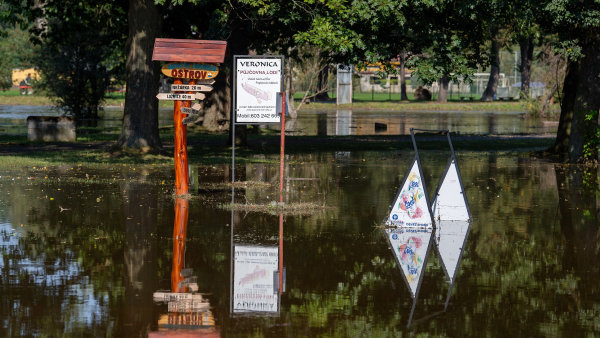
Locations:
(450, 202)
(258, 80)
(410, 209)
(175, 96)
(411, 247)
(253, 282)
(191, 88)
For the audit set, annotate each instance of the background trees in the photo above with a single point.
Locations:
(83, 48)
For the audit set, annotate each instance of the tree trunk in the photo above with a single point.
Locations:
(561, 144)
(219, 104)
(443, 92)
(322, 90)
(587, 99)
(403, 95)
(526, 45)
(140, 118)
(490, 89)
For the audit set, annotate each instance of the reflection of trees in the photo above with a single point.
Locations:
(70, 262)
(522, 272)
(140, 258)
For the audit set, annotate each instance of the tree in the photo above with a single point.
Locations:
(577, 25)
(494, 14)
(450, 35)
(140, 117)
(16, 51)
(80, 50)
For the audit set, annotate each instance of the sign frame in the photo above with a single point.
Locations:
(234, 108)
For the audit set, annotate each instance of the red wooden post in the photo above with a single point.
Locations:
(281, 157)
(280, 253)
(181, 161)
(192, 59)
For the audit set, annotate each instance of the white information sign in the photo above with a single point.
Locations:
(411, 247)
(253, 282)
(410, 209)
(450, 203)
(258, 80)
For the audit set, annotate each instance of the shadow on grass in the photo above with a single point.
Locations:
(213, 148)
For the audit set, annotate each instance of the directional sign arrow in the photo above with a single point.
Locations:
(196, 106)
(191, 88)
(174, 96)
(190, 111)
(190, 119)
(200, 96)
(209, 82)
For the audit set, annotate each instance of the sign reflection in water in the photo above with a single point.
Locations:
(257, 276)
(453, 219)
(187, 309)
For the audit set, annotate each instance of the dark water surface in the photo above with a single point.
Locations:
(340, 122)
(85, 248)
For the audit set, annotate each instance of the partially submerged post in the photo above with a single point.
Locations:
(196, 62)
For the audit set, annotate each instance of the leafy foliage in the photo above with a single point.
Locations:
(16, 51)
(81, 47)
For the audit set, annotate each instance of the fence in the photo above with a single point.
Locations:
(370, 87)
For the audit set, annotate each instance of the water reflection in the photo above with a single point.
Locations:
(91, 268)
(450, 240)
(257, 274)
(348, 122)
(189, 313)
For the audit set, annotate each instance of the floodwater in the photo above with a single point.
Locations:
(85, 250)
(340, 122)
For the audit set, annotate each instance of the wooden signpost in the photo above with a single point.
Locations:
(196, 62)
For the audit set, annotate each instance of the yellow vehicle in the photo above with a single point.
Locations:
(22, 78)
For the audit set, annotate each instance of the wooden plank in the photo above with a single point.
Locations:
(191, 119)
(190, 70)
(191, 88)
(165, 296)
(200, 42)
(188, 58)
(190, 111)
(190, 50)
(176, 96)
(200, 96)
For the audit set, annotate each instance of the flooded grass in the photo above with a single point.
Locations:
(276, 208)
(226, 186)
(213, 149)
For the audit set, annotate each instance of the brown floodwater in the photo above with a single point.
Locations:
(85, 249)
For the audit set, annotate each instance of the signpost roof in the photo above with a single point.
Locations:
(188, 50)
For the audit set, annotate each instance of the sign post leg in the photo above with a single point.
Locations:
(181, 159)
(281, 157)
